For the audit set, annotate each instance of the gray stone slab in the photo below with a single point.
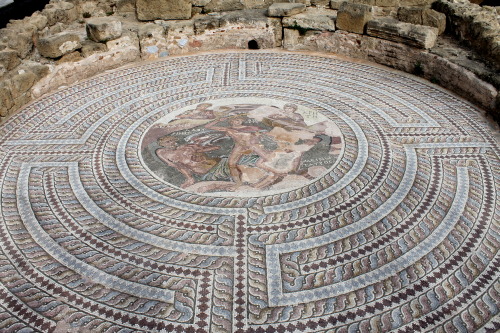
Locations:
(285, 9)
(401, 32)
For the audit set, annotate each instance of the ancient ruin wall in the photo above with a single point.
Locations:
(73, 40)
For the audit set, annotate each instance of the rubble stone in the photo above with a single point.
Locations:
(103, 29)
(21, 42)
(9, 59)
(70, 57)
(209, 22)
(63, 12)
(90, 47)
(335, 4)
(153, 42)
(36, 68)
(121, 51)
(21, 83)
(57, 45)
(38, 20)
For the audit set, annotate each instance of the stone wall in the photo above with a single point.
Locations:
(75, 39)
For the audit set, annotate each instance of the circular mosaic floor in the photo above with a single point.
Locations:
(249, 192)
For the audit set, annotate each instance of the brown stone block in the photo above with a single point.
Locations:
(353, 17)
(103, 29)
(223, 6)
(148, 10)
(435, 19)
(9, 59)
(411, 15)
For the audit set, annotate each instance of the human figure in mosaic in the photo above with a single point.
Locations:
(288, 117)
(245, 140)
(189, 159)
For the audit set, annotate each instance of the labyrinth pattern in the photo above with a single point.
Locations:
(400, 234)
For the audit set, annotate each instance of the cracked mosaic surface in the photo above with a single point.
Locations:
(398, 231)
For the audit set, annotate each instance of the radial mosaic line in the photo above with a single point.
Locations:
(249, 192)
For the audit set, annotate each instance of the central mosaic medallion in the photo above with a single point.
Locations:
(241, 146)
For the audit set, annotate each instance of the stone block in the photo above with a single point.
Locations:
(223, 6)
(125, 6)
(236, 30)
(21, 100)
(21, 83)
(22, 26)
(21, 42)
(387, 3)
(38, 20)
(312, 19)
(57, 45)
(415, 3)
(401, 32)
(353, 17)
(200, 3)
(363, 2)
(411, 15)
(209, 22)
(6, 100)
(285, 9)
(128, 41)
(335, 4)
(305, 2)
(195, 11)
(9, 59)
(90, 47)
(63, 12)
(181, 27)
(70, 57)
(90, 9)
(320, 3)
(435, 19)
(258, 4)
(148, 10)
(120, 52)
(36, 68)
(103, 29)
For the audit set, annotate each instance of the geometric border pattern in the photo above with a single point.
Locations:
(401, 235)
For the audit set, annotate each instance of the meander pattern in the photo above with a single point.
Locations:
(249, 192)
